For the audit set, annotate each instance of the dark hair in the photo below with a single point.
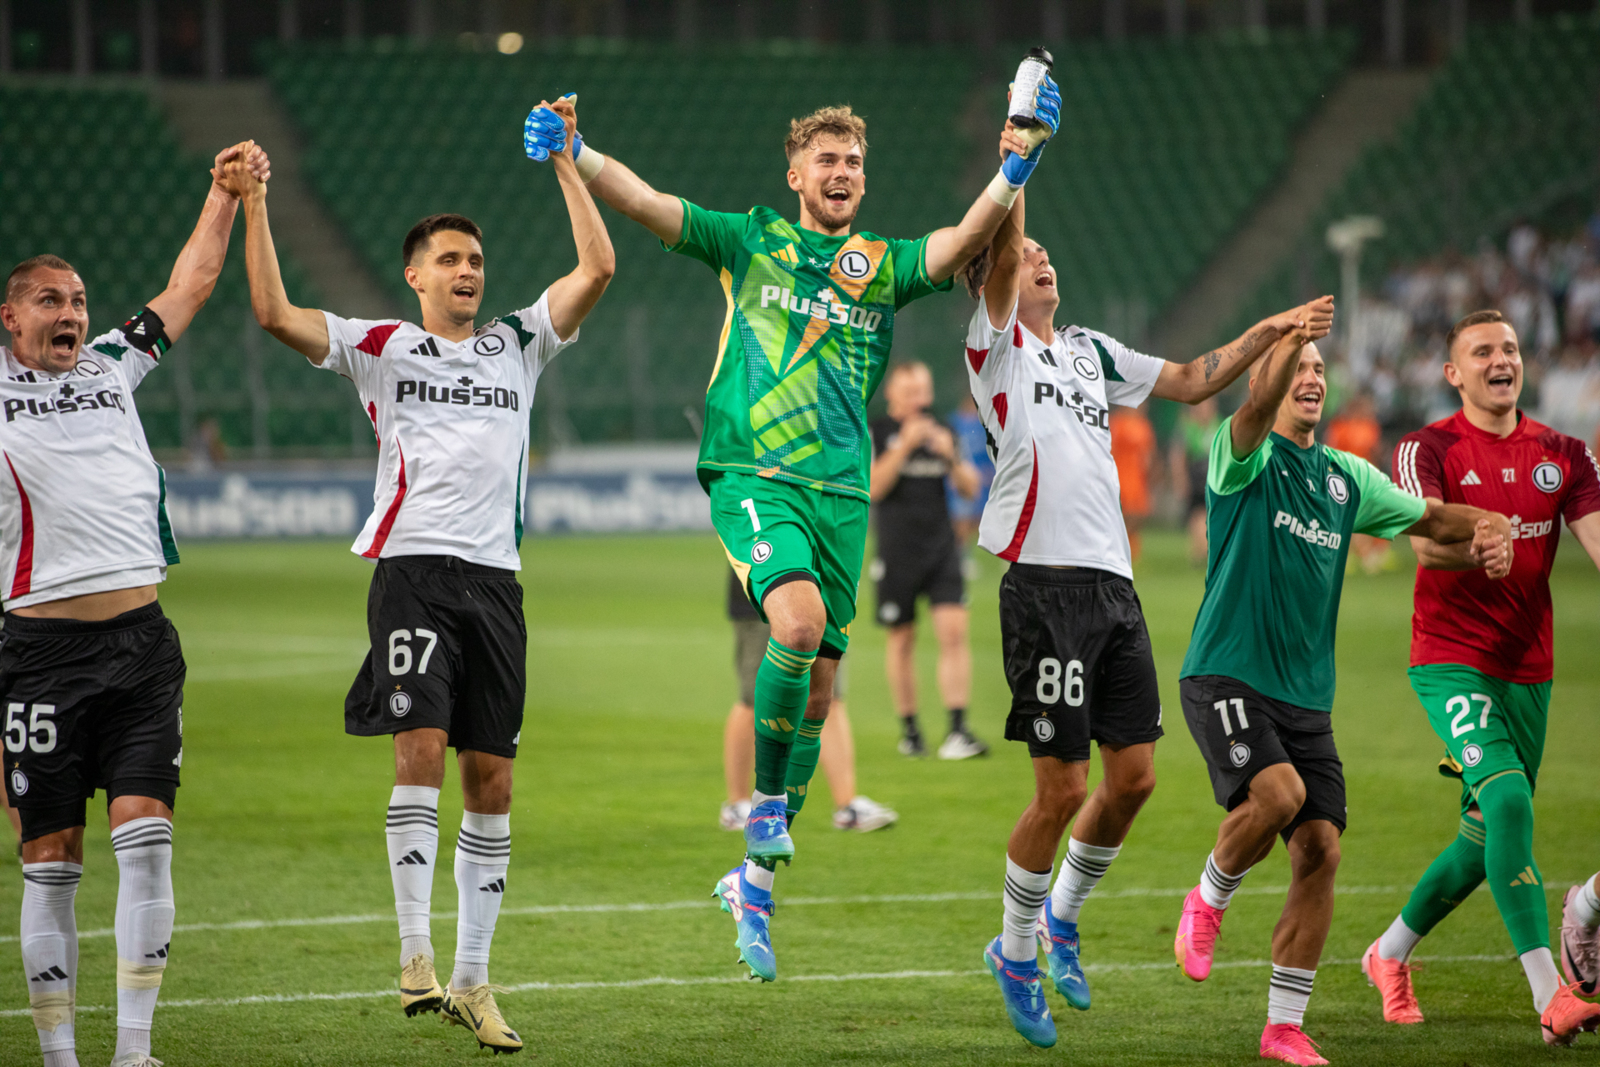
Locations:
(976, 272)
(423, 232)
(1477, 318)
(20, 272)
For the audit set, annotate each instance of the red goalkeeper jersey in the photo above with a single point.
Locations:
(1535, 477)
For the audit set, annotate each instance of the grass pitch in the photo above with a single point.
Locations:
(286, 933)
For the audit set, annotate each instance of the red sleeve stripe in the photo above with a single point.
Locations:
(1000, 409)
(382, 534)
(22, 580)
(376, 338)
(1014, 549)
(1405, 467)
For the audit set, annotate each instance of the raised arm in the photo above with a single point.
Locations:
(949, 249)
(1213, 372)
(572, 297)
(303, 329)
(1253, 421)
(195, 273)
(1005, 274)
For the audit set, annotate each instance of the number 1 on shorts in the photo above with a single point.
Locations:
(749, 504)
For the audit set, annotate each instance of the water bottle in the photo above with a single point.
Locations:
(1030, 75)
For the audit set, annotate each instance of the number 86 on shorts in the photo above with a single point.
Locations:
(1054, 687)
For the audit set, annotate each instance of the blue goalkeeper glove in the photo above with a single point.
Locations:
(1047, 109)
(545, 135)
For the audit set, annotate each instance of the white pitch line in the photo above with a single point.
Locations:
(690, 905)
(698, 905)
(661, 980)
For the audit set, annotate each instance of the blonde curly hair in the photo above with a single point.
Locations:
(838, 122)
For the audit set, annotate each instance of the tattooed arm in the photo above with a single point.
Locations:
(1211, 373)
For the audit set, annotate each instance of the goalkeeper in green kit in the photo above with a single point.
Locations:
(806, 340)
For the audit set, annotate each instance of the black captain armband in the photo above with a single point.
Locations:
(146, 332)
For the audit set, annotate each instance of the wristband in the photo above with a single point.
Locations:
(1001, 191)
(588, 162)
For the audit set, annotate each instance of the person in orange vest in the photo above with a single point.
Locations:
(1356, 430)
(1133, 448)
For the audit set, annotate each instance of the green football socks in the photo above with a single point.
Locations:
(783, 682)
(1449, 880)
(1507, 806)
(802, 764)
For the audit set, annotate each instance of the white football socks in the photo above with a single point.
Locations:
(1543, 978)
(483, 851)
(145, 912)
(1288, 994)
(50, 955)
(412, 831)
(1586, 904)
(1398, 942)
(1216, 886)
(758, 875)
(1026, 892)
(1080, 872)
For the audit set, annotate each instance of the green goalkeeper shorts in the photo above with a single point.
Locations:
(775, 532)
(1488, 725)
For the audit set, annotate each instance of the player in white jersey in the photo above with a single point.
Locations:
(449, 401)
(1077, 654)
(91, 672)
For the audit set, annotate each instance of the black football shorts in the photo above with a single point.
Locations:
(1241, 732)
(902, 575)
(449, 651)
(1078, 660)
(89, 705)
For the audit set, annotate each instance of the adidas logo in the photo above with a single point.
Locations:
(160, 953)
(54, 974)
(1472, 478)
(1527, 877)
(412, 859)
(426, 348)
(496, 886)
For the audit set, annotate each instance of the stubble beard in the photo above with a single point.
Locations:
(831, 215)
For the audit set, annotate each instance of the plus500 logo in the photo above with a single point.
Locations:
(822, 306)
(477, 396)
(1521, 531)
(1311, 535)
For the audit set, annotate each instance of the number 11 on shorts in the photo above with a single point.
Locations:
(1238, 712)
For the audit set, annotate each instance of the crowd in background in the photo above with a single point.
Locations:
(1547, 284)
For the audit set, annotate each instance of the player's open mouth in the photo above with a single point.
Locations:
(466, 292)
(1045, 281)
(1310, 398)
(1502, 378)
(838, 196)
(65, 343)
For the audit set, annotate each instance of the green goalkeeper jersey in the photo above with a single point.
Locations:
(1278, 523)
(804, 346)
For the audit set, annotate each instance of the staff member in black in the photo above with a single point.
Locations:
(913, 455)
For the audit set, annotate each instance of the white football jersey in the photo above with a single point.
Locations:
(452, 425)
(82, 500)
(1055, 499)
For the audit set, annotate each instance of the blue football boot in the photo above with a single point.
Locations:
(1022, 987)
(751, 909)
(766, 834)
(1059, 939)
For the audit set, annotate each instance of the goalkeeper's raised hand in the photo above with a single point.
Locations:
(1017, 165)
(544, 134)
(548, 130)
